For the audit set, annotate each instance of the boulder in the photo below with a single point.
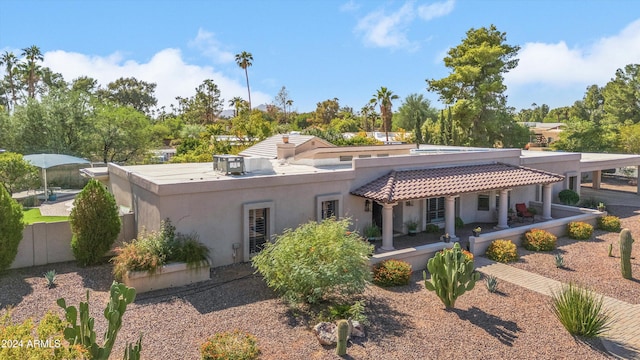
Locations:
(326, 333)
(357, 329)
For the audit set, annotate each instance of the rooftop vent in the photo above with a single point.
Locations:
(228, 164)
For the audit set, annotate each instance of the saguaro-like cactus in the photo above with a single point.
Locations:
(451, 275)
(343, 335)
(625, 253)
(83, 333)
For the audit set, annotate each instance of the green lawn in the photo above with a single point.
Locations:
(33, 216)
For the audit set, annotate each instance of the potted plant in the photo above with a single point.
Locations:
(412, 227)
(476, 231)
(601, 206)
(372, 232)
(446, 238)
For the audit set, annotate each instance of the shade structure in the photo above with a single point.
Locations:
(45, 161)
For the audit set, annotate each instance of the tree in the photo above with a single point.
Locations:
(630, 138)
(622, 96)
(475, 86)
(237, 103)
(11, 227)
(10, 81)
(316, 260)
(31, 71)
(121, 133)
(130, 92)
(384, 97)
(95, 223)
(413, 112)
(282, 100)
(207, 103)
(326, 111)
(17, 174)
(244, 60)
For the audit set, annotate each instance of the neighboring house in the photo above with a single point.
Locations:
(543, 134)
(289, 180)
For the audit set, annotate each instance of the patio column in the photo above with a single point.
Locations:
(546, 201)
(596, 177)
(503, 209)
(450, 216)
(387, 226)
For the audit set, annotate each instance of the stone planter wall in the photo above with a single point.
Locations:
(171, 275)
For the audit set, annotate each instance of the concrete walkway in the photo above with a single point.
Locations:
(622, 341)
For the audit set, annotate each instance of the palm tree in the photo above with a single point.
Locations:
(9, 60)
(244, 60)
(30, 70)
(383, 97)
(236, 102)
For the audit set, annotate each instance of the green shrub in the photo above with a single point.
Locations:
(230, 345)
(95, 223)
(391, 273)
(432, 228)
(579, 230)
(371, 231)
(568, 197)
(316, 260)
(16, 337)
(580, 311)
(609, 223)
(503, 251)
(152, 250)
(11, 226)
(539, 240)
(355, 311)
(459, 223)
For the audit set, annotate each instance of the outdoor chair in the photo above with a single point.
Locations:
(523, 212)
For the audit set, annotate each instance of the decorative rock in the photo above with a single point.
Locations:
(357, 329)
(326, 333)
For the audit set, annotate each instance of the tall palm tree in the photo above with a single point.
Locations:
(244, 60)
(9, 60)
(383, 97)
(30, 69)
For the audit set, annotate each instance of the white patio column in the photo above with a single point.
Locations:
(387, 226)
(596, 177)
(504, 208)
(546, 201)
(450, 216)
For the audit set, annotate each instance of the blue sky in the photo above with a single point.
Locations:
(324, 49)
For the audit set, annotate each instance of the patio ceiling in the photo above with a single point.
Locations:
(403, 185)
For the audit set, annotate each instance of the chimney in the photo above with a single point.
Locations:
(286, 149)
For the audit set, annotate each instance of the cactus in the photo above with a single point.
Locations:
(452, 274)
(343, 335)
(610, 250)
(625, 253)
(559, 261)
(83, 333)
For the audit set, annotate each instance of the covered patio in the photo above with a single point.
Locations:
(450, 182)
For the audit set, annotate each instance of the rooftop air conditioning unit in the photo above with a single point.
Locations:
(228, 164)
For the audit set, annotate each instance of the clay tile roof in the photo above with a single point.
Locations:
(405, 185)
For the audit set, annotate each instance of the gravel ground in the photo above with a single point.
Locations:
(406, 322)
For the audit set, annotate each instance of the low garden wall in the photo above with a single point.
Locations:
(47, 243)
(416, 256)
(171, 275)
(562, 215)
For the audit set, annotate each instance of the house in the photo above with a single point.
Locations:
(289, 180)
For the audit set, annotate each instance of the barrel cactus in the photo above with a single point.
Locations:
(626, 242)
(452, 274)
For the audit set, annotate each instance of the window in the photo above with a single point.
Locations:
(346, 158)
(258, 229)
(258, 224)
(483, 202)
(364, 156)
(329, 209)
(435, 210)
(572, 183)
(328, 205)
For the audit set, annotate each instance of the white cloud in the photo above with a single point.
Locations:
(166, 68)
(559, 65)
(349, 6)
(381, 29)
(435, 10)
(207, 43)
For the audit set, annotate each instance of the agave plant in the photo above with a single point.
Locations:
(492, 283)
(559, 261)
(50, 276)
